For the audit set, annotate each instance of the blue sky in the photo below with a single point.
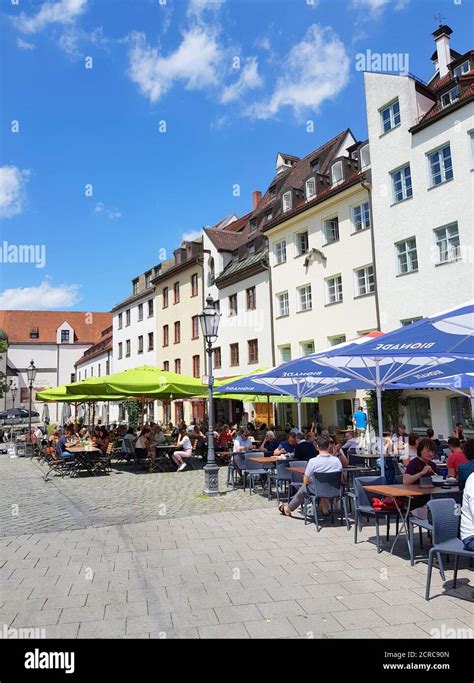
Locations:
(235, 81)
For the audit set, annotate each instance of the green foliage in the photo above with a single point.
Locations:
(392, 409)
(133, 410)
(52, 428)
(3, 346)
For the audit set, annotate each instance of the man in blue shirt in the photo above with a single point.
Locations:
(61, 450)
(359, 420)
(287, 446)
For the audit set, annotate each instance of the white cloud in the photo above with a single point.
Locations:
(42, 297)
(74, 40)
(191, 236)
(62, 12)
(376, 7)
(111, 214)
(263, 43)
(249, 79)
(12, 190)
(195, 62)
(24, 44)
(316, 70)
(197, 7)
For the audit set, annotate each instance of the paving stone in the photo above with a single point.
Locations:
(40, 618)
(228, 615)
(360, 618)
(109, 628)
(128, 609)
(228, 630)
(81, 614)
(285, 608)
(271, 628)
(147, 624)
(399, 632)
(316, 625)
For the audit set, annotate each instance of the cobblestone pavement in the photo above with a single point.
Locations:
(201, 573)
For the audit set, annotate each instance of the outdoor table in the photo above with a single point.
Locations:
(409, 491)
(83, 454)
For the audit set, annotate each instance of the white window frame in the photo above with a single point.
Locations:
(282, 349)
(280, 252)
(461, 70)
(286, 202)
(392, 116)
(367, 282)
(334, 180)
(304, 351)
(337, 339)
(305, 298)
(334, 283)
(336, 230)
(283, 302)
(452, 95)
(403, 183)
(362, 163)
(443, 168)
(310, 188)
(409, 254)
(452, 251)
(299, 250)
(364, 215)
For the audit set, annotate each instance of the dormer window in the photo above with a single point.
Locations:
(269, 216)
(34, 333)
(65, 336)
(310, 188)
(286, 201)
(450, 97)
(315, 165)
(273, 192)
(251, 248)
(365, 156)
(461, 69)
(148, 280)
(135, 286)
(336, 173)
(253, 224)
(390, 116)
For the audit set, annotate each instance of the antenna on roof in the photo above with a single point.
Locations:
(439, 19)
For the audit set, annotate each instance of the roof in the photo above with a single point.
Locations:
(437, 111)
(134, 297)
(102, 346)
(249, 262)
(225, 240)
(87, 326)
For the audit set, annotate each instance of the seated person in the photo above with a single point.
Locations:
(413, 441)
(352, 441)
(61, 448)
(269, 443)
(184, 442)
(421, 466)
(458, 431)
(287, 446)
(142, 445)
(159, 438)
(224, 438)
(243, 442)
(304, 450)
(324, 462)
(199, 440)
(439, 449)
(456, 457)
(467, 514)
(127, 442)
(336, 450)
(465, 469)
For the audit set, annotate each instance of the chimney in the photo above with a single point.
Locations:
(257, 196)
(442, 38)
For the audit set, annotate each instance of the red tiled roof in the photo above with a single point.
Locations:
(436, 109)
(225, 240)
(87, 326)
(98, 349)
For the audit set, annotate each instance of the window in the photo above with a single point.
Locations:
(217, 358)
(166, 335)
(251, 299)
(409, 321)
(314, 163)
(196, 366)
(166, 365)
(273, 192)
(177, 366)
(471, 144)
(177, 332)
(120, 321)
(364, 156)
(140, 344)
(419, 412)
(286, 201)
(135, 286)
(127, 348)
(85, 374)
(307, 348)
(283, 307)
(338, 339)
(449, 97)
(447, 243)
(120, 350)
(194, 285)
(165, 297)
(140, 312)
(234, 354)
(364, 280)
(334, 289)
(217, 305)
(461, 69)
(310, 188)
(407, 258)
(233, 304)
(253, 225)
(195, 327)
(148, 280)
(390, 116)
(65, 336)
(150, 308)
(176, 292)
(461, 412)
(331, 230)
(304, 298)
(285, 353)
(98, 370)
(280, 252)
(107, 367)
(361, 217)
(150, 341)
(336, 173)
(253, 350)
(344, 413)
(401, 184)
(302, 243)
(92, 371)
(34, 333)
(127, 318)
(269, 216)
(441, 165)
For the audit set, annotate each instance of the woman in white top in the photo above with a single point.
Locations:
(186, 449)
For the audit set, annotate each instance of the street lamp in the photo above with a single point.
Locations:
(209, 319)
(14, 389)
(31, 374)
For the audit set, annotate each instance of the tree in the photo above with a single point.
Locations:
(392, 409)
(4, 385)
(133, 410)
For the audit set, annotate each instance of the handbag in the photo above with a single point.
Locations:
(388, 504)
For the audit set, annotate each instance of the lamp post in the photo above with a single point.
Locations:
(14, 389)
(31, 374)
(209, 319)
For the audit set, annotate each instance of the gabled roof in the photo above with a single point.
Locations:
(102, 346)
(87, 326)
(226, 240)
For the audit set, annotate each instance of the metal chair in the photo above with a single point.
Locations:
(253, 470)
(363, 506)
(445, 523)
(281, 476)
(326, 485)
(238, 464)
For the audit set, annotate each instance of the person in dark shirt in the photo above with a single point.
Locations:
(304, 450)
(421, 466)
(287, 446)
(61, 450)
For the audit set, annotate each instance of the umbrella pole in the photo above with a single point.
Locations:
(378, 393)
(298, 401)
(268, 411)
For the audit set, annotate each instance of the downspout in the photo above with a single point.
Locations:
(272, 331)
(368, 186)
(57, 380)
